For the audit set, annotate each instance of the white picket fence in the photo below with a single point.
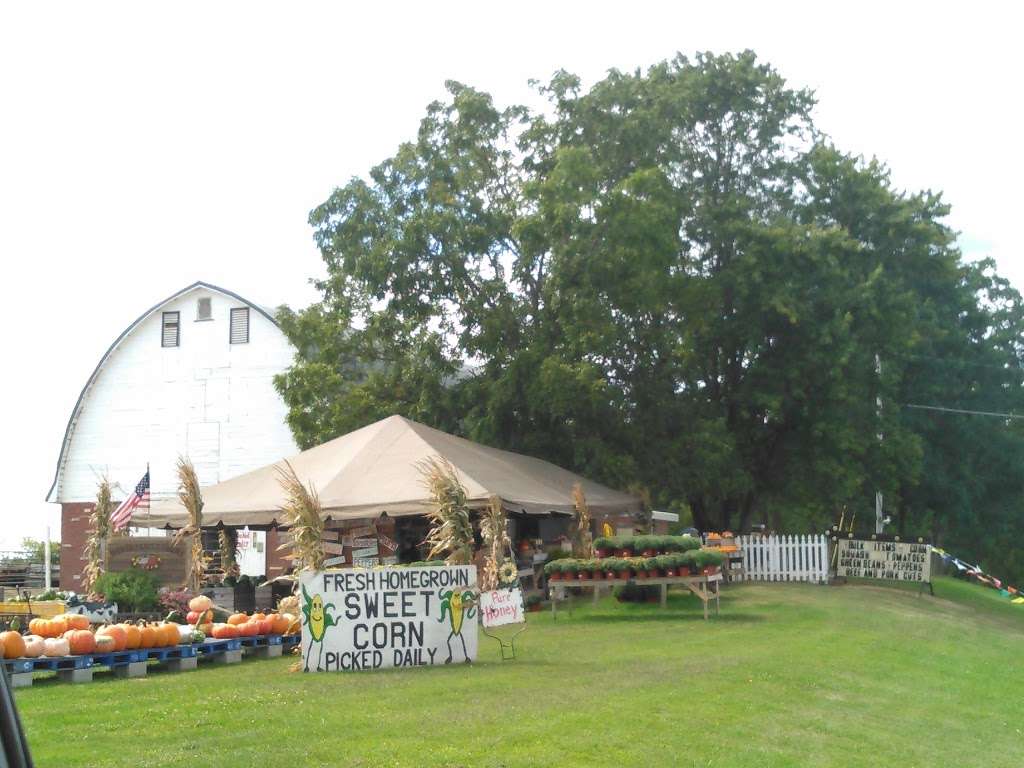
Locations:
(784, 558)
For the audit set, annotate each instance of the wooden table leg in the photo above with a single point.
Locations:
(664, 595)
(597, 591)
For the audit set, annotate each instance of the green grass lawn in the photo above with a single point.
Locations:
(788, 675)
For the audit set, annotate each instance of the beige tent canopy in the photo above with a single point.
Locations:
(372, 470)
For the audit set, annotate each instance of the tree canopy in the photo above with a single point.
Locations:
(672, 282)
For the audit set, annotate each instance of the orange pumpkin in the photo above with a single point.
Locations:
(37, 627)
(200, 603)
(48, 627)
(116, 633)
(75, 620)
(58, 627)
(80, 641)
(259, 616)
(169, 634)
(12, 645)
(237, 618)
(149, 636)
(281, 623)
(224, 631)
(34, 646)
(105, 644)
(132, 636)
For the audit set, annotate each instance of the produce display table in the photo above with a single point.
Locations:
(704, 587)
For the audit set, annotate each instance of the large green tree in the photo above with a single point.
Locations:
(667, 281)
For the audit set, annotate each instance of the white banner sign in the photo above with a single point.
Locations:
(501, 607)
(390, 617)
(891, 560)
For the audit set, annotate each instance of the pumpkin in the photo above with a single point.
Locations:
(185, 632)
(206, 629)
(34, 646)
(48, 627)
(75, 620)
(80, 641)
(149, 636)
(237, 618)
(56, 646)
(12, 645)
(259, 616)
(105, 644)
(266, 626)
(200, 603)
(249, 629)
(169, 633)
(116, 633)
(193, 617)
(132, 636)
(279, 623)
(224, 631)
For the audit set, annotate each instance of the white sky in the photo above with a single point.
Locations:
(144, 146)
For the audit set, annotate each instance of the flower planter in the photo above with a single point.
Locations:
(601, 554)
(650, 552)
(641, 574)
(610, 575)
(670, 572)
(624, 553)
(583, 575)
(683, 571)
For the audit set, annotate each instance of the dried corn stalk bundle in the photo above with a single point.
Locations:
(582, 540)
(227, 542)
(302, 514)
(499, 569)
(192, 500)
(99, 533)
(451, 532)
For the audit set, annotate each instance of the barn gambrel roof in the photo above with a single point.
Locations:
(69, 431)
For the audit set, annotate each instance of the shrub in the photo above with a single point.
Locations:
(175, 600)
(558, 554)
(651, 564)
(133, 591)
(623, 542)
(640, 543)
(665, 561)
(569, 566)
(552, 566)
(634, 593)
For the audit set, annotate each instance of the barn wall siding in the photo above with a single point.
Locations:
(206, 398)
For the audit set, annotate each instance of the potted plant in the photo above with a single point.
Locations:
(553, 570)
(621, 567)
(653, 567)
(685, 565)
(711, 561)
(570, 568)
(664, 565)
(609, 567)
(623, 546)
(603, 547)
(594, 567)
(583, 570)
(647, 546)
(533, 602)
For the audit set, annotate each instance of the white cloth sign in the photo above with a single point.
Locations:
(388, 617)
(502, 606)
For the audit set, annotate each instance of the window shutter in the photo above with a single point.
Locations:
(240, 325)
(170, 330)
(204, 309)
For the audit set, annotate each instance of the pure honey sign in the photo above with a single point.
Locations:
(355, 619)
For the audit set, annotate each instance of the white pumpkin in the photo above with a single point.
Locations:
(200, 603)
(185, 633)
(56, 646)
(34, 646)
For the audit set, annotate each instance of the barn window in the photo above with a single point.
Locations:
(240, 325)
(170, 336)
(204, 309)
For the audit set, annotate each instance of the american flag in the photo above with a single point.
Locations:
(123, 514)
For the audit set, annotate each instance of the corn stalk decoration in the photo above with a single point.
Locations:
(582, 540)
(499, 569)
(99, 532)
(303, 515)
(192, 499)
(451, 532)
(227, 542)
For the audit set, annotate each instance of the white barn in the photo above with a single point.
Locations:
(193, 375)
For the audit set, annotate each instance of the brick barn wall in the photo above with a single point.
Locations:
(74, 530)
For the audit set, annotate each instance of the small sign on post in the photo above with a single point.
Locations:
(501, 608)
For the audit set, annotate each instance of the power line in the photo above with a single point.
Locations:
(963, 411)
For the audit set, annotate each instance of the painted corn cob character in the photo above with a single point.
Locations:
(457, 606)
(318, 621)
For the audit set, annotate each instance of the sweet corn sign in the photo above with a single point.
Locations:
(357, 619)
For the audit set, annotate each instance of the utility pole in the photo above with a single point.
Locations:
(879, 512)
